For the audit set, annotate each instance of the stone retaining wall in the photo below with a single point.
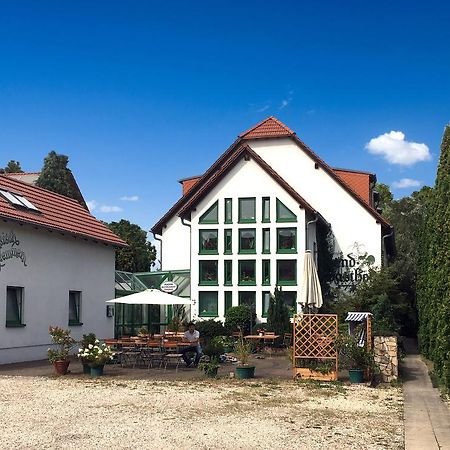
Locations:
(386, 357)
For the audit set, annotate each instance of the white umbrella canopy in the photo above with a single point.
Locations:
(310, 292)
(151, 297)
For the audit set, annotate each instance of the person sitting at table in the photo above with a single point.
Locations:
(193, 337)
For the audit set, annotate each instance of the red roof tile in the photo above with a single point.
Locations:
(268, 128)
(57, 213)
(358, 181)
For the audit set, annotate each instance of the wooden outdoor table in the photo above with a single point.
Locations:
(269, 337)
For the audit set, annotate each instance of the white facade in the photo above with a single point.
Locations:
(50, 266)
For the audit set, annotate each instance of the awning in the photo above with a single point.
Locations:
(151, 297)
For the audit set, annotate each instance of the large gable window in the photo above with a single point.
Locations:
(211, 215)
(247, 210)
(284, 214)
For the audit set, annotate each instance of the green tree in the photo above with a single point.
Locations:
(278, 314)
(12, 167)
(434, 270)
(242, 317)
(140, 254)
(56, 176)
(386, 198)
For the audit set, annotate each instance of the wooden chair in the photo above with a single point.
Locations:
(287, 340)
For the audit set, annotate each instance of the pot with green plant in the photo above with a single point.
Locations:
(59, 354)
(354, 356)
(84, 343)
(210, 368)
(243, 351)
(97, 355)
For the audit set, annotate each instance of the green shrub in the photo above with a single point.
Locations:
(213, 349)
(240, 317)
(209, 329)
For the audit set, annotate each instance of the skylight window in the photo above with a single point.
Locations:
(18, 200)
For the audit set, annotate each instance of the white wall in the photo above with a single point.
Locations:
(175, 248)
(350, 222)
(246, 179)
(55, 265)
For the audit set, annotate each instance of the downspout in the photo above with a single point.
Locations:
(384, 244)
(160, 248)
(306, 231)
(188, 224)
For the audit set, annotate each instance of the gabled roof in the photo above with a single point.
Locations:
(358, 181)
(56, 213)
(266, 129)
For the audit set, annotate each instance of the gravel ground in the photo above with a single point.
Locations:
(68, 413)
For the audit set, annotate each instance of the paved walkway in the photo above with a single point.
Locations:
(427, 418)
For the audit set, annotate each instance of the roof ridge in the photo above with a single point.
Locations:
(286, 130)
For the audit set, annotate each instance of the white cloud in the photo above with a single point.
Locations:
(285, 102)
(263, 108)
(91, 204)
(110, 209)
(395, 149)
(406, 183)
(130, 198)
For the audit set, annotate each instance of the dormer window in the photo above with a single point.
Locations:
(18, 200)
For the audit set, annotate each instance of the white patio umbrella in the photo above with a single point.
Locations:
(151, 297)
(310, 292)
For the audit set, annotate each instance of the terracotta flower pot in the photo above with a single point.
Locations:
(61, 367)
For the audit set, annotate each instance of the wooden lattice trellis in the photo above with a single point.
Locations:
(313, 339)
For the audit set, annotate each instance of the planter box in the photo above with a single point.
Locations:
(308, 374)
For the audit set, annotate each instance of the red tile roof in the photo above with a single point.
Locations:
(188, 184)
(57, 213)
(358, 181)
(268, 128)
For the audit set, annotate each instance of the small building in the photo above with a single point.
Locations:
(243, 227)
(56, 268)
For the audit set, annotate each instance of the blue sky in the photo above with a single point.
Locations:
(139, 94)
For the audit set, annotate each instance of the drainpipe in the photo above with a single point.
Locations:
(384, 244)
(306, 233)
(160, 248)
(188, 224)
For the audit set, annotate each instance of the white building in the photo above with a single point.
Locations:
(56, 268)
(244, 225)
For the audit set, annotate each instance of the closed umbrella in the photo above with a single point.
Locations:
(151, 297)
(310, 292)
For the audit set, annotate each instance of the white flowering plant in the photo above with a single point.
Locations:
(96, 354)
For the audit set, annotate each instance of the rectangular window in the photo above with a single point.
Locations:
(228, 210)
(208, 272)
(14, 306)
(287, 240)
(228, 242)
(266, 240)
(207, 304)
(228, 300)
(247, 240)
(266, 272)
(284, 214)
(247, 210)
(247, 273)
(287, 272)
(247, 298)
(208, 242)
(290, 300)
(75, 308)
(228, 272)
(266, 209)
(265, 303)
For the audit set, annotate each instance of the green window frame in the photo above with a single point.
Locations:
(228, 241)
(208, 304)
(247, 210)
(208, 241)
(207, 270)
(265, 303)
(228, 272)
(266, 272)
(247, 272)
(228, 210)
(247, 298)
(284, 214)
(14, 306)
(266, 240)
(75, 308)
(287, 272)
(247, 240)
(265, 207)
(286, 240)
(228, 301)
(211, 215)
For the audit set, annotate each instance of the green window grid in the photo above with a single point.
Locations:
(208, 242)
(228, 210)
(228, 241)
(284, 214)
(208, 304)
(265, 207)
(266, 272)
(208, 272)
(247, 272)
(287, 272)
(266, 240)
(247, 240)
(211, 215)
(228, 272)
(286, 240)
(247, 210)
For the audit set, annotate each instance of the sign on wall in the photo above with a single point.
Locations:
(168, 286)
(9, 249)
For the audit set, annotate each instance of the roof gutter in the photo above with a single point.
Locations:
(160, 247)
(384, 244)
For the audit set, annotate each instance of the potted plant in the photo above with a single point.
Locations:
(354, 357)
(227, 342)
(243, 350)
(59, 354)
(210, 368)
(97, 355)
(85, 341)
